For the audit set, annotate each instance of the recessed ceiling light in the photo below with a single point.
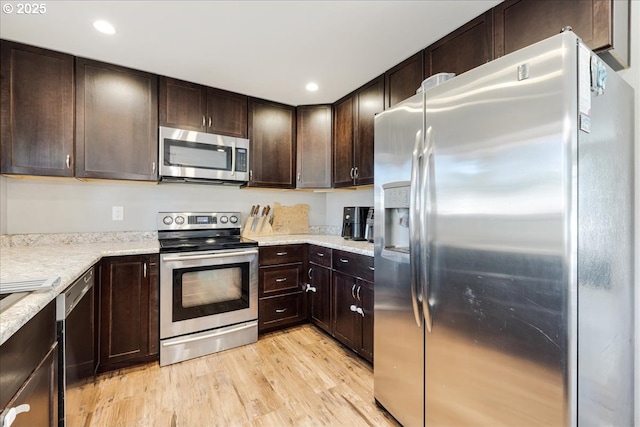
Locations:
(104, 27)
(312, 87)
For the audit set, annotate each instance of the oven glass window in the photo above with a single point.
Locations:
(204, 291)
(198, 155)
(197, 288)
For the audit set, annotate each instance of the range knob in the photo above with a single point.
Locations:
(180, 220)
(224, 219)
(167, 220)
(233, 219)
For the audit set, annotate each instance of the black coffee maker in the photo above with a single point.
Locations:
(354, 221)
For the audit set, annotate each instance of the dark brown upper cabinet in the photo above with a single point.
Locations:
(404, 79)
(190, 106)
(116, 122)
(463, 49)
(343, 117)
(370, 101)
(37, 111)
(313, 146)
(272, 130)
(519, 23)
(353, 134)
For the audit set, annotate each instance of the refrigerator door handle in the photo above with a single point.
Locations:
(414, 227)
(425, 238)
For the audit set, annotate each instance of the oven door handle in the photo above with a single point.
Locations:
(167, 258)
(207, 336)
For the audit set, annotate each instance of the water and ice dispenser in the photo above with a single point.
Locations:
(396, 216)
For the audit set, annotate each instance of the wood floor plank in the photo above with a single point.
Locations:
(296, 377)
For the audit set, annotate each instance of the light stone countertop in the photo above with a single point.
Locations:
(66, 261)
(70, 261)
(333, 242)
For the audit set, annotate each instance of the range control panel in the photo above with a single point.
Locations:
(197, 220)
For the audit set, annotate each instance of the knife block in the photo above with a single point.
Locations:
(257, 226)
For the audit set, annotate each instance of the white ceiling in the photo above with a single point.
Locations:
(266, 49)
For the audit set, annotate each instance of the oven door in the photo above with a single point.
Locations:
(207, 289)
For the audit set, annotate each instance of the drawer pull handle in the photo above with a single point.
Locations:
(281, 310)
(372, 268)
(14, 412)
(344, 260)
(281, 279)
(320, 254)
(281, 253)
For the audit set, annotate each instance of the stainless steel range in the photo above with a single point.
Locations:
(208, 285)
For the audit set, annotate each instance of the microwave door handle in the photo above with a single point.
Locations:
(233, 158)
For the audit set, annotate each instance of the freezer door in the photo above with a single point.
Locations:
(605, 259)
(503, 140)
(398, 336)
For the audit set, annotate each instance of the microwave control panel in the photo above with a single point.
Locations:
(241, 159)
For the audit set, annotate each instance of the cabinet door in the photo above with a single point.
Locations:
(365, 301)
(182, 104)
(404, 79)
(519, 23)
(345, 326)
(37, 111)
(124, 311)
(320, 296)
(226, 113)
(116, 122)
(313, 146)
(40, 392)
(370, 102)
(343, 116)
(465, 48)
(272, 136)
(154, 305)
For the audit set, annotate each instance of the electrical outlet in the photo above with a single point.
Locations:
(117, 213)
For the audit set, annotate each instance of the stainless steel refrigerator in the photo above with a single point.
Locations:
(504, 245)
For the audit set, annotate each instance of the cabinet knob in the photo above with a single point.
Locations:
(310, 288)
(351, 174)
(356, 174)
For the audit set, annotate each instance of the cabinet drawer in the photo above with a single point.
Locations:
(366, 268)
(345, 262)
(278, 311)
(353, 264)
(320, 255)
(279, 279)
(281, 254)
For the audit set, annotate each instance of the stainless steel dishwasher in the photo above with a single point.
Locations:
(76, 343)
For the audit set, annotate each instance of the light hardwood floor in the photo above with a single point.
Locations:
(296, 377)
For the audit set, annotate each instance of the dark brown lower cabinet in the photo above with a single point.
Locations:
(29, 372)
(281, 301)
(319, 291)
(128, 311)
(353, 313)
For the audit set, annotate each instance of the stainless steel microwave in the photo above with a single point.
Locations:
(191, 156)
